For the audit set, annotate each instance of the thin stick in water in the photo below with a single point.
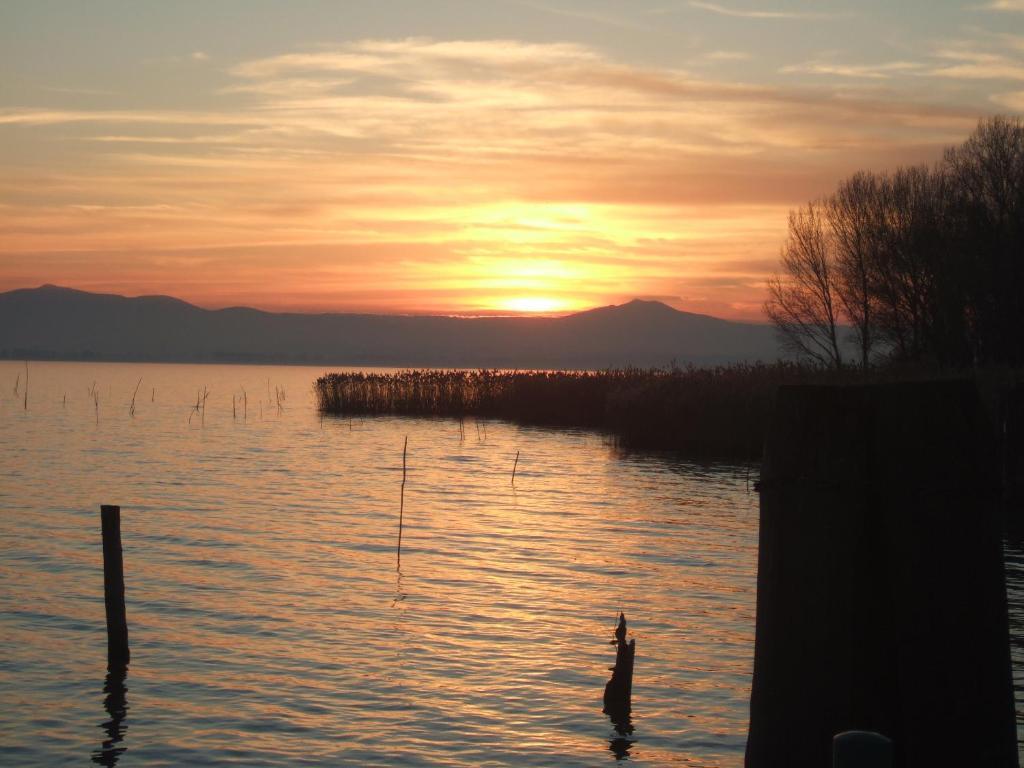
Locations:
(195, 408)
(401, 503)
(131, 408)
(514, 468)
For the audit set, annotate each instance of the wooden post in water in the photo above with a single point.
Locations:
(881, 601)
(618, 691)
(514, 468)
(118, 654)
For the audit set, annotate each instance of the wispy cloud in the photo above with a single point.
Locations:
(79, 91)
(727, 56)
(594, 17)
(747, 13)
(1003, 5)
(880, 71)
(1013, 100)
(967, 62)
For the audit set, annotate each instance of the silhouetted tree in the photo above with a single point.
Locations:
(911, 264)
(924, 264)
(803, 301)
(854, 219)
(987, 213)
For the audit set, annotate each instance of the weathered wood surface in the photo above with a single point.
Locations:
(881, 597)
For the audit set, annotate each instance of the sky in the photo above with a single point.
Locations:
(464, 156)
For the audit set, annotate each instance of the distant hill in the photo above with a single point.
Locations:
(51, 322)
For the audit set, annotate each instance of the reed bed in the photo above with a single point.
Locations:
(721, 412)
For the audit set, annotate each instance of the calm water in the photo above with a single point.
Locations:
(269, 626)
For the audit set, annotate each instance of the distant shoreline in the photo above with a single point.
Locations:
(61, 323)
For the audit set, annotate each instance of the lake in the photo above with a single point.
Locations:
(269, 625)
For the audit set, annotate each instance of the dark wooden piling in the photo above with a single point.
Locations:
(881, 600)
(118, 654)
(1013, 460)
(618, 691)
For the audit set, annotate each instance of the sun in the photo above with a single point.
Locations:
(533, 304)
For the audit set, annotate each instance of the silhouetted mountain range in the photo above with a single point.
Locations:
(67, 324)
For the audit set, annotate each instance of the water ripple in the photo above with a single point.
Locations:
(269, 626)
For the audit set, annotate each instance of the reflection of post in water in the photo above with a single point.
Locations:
(618, 691)
(116, 704)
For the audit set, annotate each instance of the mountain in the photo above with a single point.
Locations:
(52, 322)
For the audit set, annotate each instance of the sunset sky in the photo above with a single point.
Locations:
(464, 157)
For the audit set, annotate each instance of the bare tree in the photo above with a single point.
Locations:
(917, 281)
(925, 264)
(803, 302)
(987, 173)
(853, 217)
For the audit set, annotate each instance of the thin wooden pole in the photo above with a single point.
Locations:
(118, 654)
(514, 468)
(131, 408)
(401, 502)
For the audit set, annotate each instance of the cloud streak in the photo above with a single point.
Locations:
(1012, 6)
(883, 71)
(738, 13)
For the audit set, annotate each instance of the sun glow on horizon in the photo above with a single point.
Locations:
(536, 305)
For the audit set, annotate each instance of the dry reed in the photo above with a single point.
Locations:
(710, 412)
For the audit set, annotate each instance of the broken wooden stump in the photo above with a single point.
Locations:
(618, 690)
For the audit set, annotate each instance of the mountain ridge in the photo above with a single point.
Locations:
(58, 322)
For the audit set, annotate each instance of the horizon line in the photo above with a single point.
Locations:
(484, 314)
